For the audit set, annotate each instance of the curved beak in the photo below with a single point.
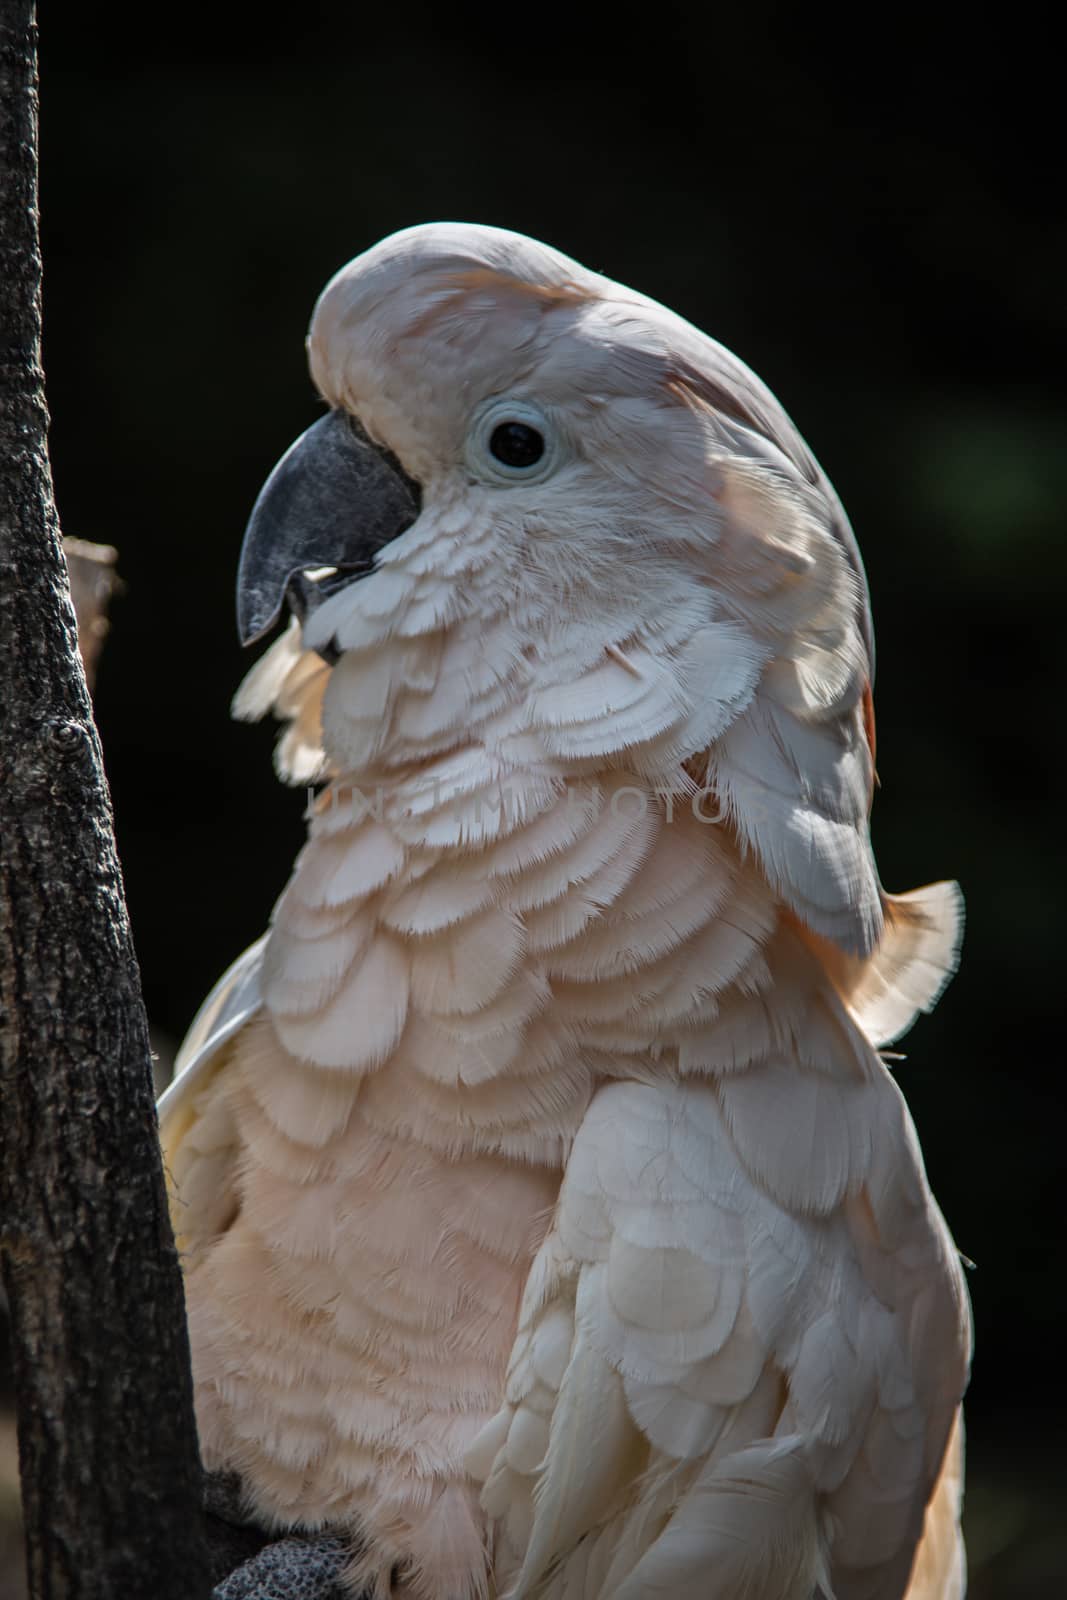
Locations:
(333, 501)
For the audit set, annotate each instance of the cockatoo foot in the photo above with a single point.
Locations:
(291, 1569)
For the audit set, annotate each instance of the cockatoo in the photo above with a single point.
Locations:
(551, 1222)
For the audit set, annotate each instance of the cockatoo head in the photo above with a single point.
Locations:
(504, 384)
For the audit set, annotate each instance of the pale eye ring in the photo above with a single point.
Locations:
(512, 442)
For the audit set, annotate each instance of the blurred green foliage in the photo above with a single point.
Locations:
(867, 217)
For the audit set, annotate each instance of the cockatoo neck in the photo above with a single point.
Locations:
(471, 647)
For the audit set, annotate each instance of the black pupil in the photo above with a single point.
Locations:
(516, 444)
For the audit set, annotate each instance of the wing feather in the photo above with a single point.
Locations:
(196, 1127)
(705, 1377)
(232, 1002)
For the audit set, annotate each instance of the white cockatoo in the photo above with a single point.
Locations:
(551, 1223)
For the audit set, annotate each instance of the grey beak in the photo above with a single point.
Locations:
(333, 501)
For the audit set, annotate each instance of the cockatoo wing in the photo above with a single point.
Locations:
(195, 1125)
(233, 1000)
(729, 1349)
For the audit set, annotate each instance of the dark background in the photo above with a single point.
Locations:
(870, 213)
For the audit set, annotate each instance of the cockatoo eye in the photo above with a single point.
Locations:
(511, 441)
(516, 444)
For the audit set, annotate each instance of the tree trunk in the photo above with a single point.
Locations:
(107, 1443)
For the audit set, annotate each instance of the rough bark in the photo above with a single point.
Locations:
(107, 1443)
